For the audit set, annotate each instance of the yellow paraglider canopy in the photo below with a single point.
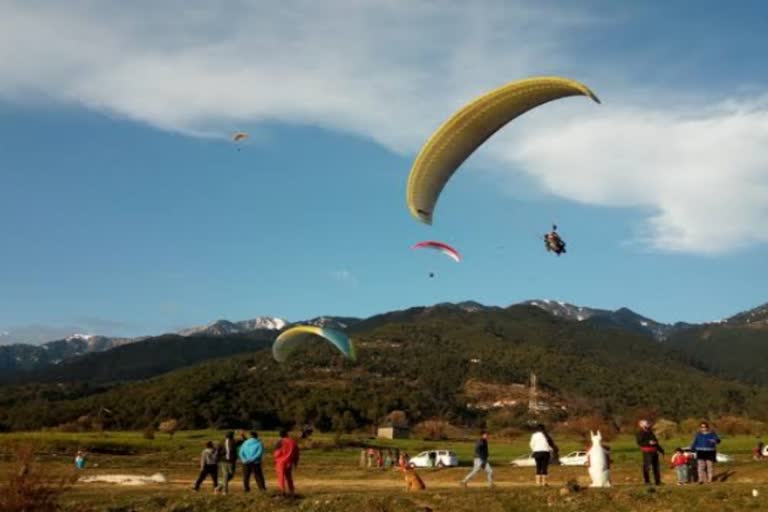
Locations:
(238, 136)
(468, 128)
(295, 336)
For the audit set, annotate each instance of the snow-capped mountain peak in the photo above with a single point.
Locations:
(225, 327)
(263, 322)
(78, 336)
(330, 322)
(622, 317)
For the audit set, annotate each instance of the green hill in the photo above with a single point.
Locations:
(426, 361)
(146, 358)
(728, 350)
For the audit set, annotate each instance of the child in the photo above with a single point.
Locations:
(693, 475)
(388, 460)
(80, 460)
(680, 465)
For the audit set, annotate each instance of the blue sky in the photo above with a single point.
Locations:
(126, 210)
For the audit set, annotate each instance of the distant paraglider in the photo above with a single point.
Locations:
(439, 246)
(239, 136)
(468, 128)
(295, 336)
(553, 242)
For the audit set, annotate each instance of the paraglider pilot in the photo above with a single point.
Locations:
(553, 242)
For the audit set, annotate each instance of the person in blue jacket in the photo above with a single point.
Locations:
(705, 445)
(80, 460)
(251, 452)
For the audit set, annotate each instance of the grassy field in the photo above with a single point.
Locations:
(329, 479)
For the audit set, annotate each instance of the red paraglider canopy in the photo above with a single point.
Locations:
(439, 246)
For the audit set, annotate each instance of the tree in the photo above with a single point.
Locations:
(169, 426)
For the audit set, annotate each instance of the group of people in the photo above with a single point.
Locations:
(220, 461)
(697, 465)
(382, 459)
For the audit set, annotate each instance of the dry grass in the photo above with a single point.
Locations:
(28, 488)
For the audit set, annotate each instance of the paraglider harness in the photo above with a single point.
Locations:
(554, 243)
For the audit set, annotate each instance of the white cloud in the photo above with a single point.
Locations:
(392, 71)
(704, 178)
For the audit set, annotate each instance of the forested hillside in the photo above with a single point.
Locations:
(421, 362)
(728, 350)
(146, 358)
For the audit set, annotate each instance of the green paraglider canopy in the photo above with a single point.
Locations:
(295, 336)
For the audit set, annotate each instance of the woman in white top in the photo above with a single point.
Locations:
(542, 447)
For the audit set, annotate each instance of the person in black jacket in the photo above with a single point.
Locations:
(651, 449)
(481, 461)
(227, 461)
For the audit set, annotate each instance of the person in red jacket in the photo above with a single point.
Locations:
(286, 458)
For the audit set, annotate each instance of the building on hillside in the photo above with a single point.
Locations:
(392, 432)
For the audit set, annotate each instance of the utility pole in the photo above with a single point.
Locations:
(533, 399)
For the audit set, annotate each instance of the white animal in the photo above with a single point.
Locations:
(598, 462)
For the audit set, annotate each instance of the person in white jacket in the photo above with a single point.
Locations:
(543, 448)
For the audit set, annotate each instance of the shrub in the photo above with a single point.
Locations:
(689, 426)
(70, 426)
(583, 425)
(169, 426)
(28, 490)
(736, 425)
(509, 417)
(432, 430)
(665, 429)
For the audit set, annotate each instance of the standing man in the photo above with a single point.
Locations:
(651, 449)
(480, 461)
(286, 458)
(227, 461)
(251, 453)
(705, 444)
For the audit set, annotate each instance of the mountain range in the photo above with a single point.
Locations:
(17, 358)
(464, 362)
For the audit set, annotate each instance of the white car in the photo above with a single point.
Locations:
(720, 457)
(574, 459)
(524, 461)
(434, 459)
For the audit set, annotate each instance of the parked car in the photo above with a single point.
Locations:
(524, 461)
(434, 458)
(721, 457)
(574, 459)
